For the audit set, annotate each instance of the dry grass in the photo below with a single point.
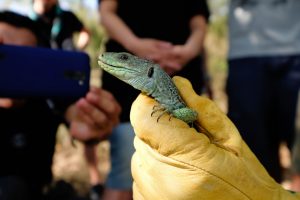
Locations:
(69, 163)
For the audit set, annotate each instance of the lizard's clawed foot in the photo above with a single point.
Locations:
(158, 108)
(164, 112)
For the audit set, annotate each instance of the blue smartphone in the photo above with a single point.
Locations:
(28, 72)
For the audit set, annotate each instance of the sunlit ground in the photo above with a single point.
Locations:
(69, 163)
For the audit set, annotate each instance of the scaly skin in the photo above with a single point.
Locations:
(148, 77)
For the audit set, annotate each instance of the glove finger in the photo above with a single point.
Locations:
(210, 118)
(167, 136)
(144, 173)
(136, 193)
(157, 176)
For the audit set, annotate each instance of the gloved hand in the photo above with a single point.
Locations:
(173, 161)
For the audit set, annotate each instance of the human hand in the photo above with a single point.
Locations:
(295, 182)
(151, 49)
(180, 56)
(177, 58)
(11, 103)
(175, 161)
(183, 54)
(93, 117)
(158, 51)
(6, 103)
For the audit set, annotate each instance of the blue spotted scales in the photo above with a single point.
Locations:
(148, 77)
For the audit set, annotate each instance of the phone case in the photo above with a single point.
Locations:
(42, 72)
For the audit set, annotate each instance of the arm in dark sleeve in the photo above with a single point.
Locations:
(75, 23)
(199, 7)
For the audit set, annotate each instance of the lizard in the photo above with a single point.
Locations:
(150, 79)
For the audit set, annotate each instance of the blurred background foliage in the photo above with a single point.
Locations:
(216, 45)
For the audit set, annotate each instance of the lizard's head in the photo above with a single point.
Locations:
(112, 61)
(128, 68)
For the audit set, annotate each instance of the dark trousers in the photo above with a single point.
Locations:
(262, 99)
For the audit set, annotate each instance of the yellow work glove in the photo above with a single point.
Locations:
(175, 162)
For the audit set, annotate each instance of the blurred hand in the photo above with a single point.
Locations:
(11, 103)
(295, 182)
(171, 58)
(180, 55)
(183, 54)
(94, 116)
(157, 51)
(6, 103)
(151, 49)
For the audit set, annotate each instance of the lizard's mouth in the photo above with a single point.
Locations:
(107, 65)
(115, 69)
(104, 64)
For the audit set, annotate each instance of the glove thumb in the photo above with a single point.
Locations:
(211, 120)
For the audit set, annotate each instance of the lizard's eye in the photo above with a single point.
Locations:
(124, 57)
(150, 72)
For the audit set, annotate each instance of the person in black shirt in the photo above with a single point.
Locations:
(28, 126)
(59, 25)
(171, 33)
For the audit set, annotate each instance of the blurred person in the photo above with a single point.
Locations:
(295, 154)
(28, 127)
(264, 75)
(295, 165)
(169, 33)
(58, 25)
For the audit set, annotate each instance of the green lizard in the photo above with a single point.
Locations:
(148, 77)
